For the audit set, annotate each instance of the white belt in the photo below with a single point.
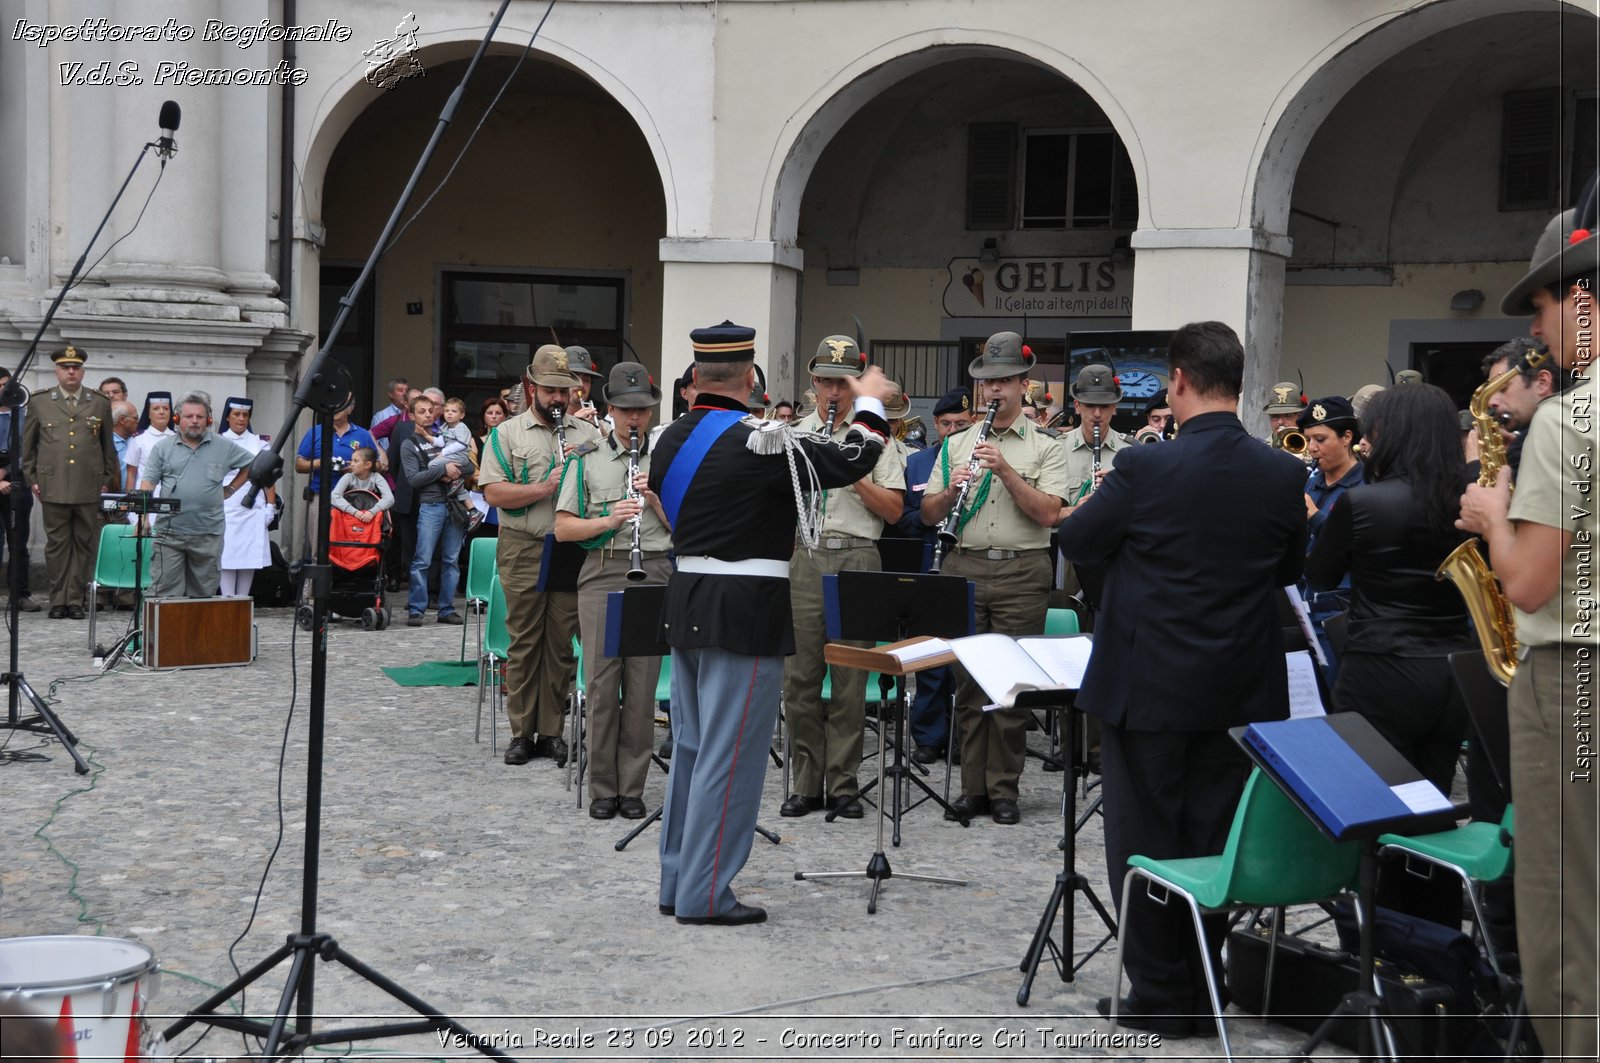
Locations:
(755, 566)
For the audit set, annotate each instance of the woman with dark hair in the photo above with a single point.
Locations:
(493, 411)
(1389, 535)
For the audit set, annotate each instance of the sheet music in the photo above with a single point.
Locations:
(919, 651)
(1421, 796)
(1304, 697)
(1303, 614)
(1065, 658)
(1000, 666)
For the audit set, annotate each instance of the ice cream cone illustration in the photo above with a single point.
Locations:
(973, 279)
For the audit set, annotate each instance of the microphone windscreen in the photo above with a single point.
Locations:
(171, 115)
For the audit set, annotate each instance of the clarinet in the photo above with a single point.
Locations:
(1094, 469)
(558, 413)
(635, 556)
(948, 537)
(833, 411)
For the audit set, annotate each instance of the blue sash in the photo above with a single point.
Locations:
(686, 462)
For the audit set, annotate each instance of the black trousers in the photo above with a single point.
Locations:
(1415, 704)
(21, 497)
(1168, 794)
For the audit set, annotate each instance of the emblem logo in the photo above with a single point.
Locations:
(838, 348)
(1319, 412)
(1281, 395)
(559, 360)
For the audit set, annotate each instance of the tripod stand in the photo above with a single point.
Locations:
(1069, 883)
(866, 606)
(325, 388)
(633, 629)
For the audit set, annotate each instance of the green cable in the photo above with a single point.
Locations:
(72, 882)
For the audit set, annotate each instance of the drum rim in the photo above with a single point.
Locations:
(130, 973)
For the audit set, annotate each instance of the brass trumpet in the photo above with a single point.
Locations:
(1290, 439)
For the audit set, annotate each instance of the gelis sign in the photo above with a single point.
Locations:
(1042, 287)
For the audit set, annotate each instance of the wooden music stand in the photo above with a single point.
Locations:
(881, 660)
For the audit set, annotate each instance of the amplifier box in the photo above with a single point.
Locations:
(198, 632)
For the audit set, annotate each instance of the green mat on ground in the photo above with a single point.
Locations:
(436, 674)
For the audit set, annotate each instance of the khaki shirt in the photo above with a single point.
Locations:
(1000, 524)
(843, 511)
(530, 448)
(1080, 460)
(1558, 457)
(603, 476)
(67, 449)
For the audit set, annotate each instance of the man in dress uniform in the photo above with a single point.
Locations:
(930, 716)
(726, 488)
(596, 508)
(825, 736)
(1004, 544)
(69, 459)
(520, 474)
(1187, 644)
(1541, 545)
(193, 466)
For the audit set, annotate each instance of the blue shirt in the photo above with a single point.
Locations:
(14, 470)
(1325, 495)
(344, 445)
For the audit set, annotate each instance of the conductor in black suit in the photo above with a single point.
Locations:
(1197, 536)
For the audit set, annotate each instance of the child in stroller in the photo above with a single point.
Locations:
(358, 533)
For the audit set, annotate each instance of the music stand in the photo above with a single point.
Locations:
(1350, 782)
(141, 504)
(633, 629)
(1069, 882)
(867, 606)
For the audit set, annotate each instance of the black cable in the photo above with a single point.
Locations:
(124, 236)
(487, 111)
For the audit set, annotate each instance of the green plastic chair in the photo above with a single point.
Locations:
(1477, 853)
(495, 648)
(577, 702)
(114, 566)
(1060, 622)
(1275, 856)
(481, 570)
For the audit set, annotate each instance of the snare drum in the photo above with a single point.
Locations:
(96, 988)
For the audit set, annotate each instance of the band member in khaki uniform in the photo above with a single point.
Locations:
(1095, 394)
(1004, 550)
(596, 508)
(1284, 408)
(825, 737)
(521, 474)
(69, 458)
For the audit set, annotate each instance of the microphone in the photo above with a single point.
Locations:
(171, 115)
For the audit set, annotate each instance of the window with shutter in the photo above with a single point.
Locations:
(1529, 149)
(991, 175)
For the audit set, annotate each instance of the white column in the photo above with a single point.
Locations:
(1231, 275)
(749, 282)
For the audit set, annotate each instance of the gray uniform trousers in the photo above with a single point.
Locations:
(824, 736)
(621, 691)
(724, 713)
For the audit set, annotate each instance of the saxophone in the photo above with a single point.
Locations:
(1465, 566)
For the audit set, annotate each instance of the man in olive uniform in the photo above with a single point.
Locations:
(520, 474)
(1095, 394)
(596, 508)
(581, 364)
(825, 737)
(69, 458)
(1004, 529)
(1284, 407)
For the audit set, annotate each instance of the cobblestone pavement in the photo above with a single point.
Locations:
(483, 889)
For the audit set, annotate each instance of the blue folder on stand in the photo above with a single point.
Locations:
(1346, 776)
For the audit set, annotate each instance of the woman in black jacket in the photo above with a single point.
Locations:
(1390, 534)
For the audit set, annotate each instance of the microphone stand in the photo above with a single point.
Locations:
(324, 388)
(44, 719)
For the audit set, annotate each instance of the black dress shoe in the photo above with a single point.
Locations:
(927, 754)
(58, 612)
(1005, 811)
(738, 915)
(799, 805)
(631, 808)
(75, 612)
(520, 751)
(846, 806)
(1130, 1013)
(665, 752)
(451, 618)
(965, 807)
(413, 620)
(603, 808)
(559, 751)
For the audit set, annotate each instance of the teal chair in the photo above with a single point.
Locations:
(1060, 622)
(1275, 856)
(481, 570)
(577, 704)
(114, 566)
(495, 647)
(1477, 853)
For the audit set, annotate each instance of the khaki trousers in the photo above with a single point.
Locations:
(1556, 852)
(825, 738)
(621, 692)
(1012, 598)
(71, 541)
(540, 664)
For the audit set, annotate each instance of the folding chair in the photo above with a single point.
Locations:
(481, 570)
(496, 647)
(114, 566)
(577, 703)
